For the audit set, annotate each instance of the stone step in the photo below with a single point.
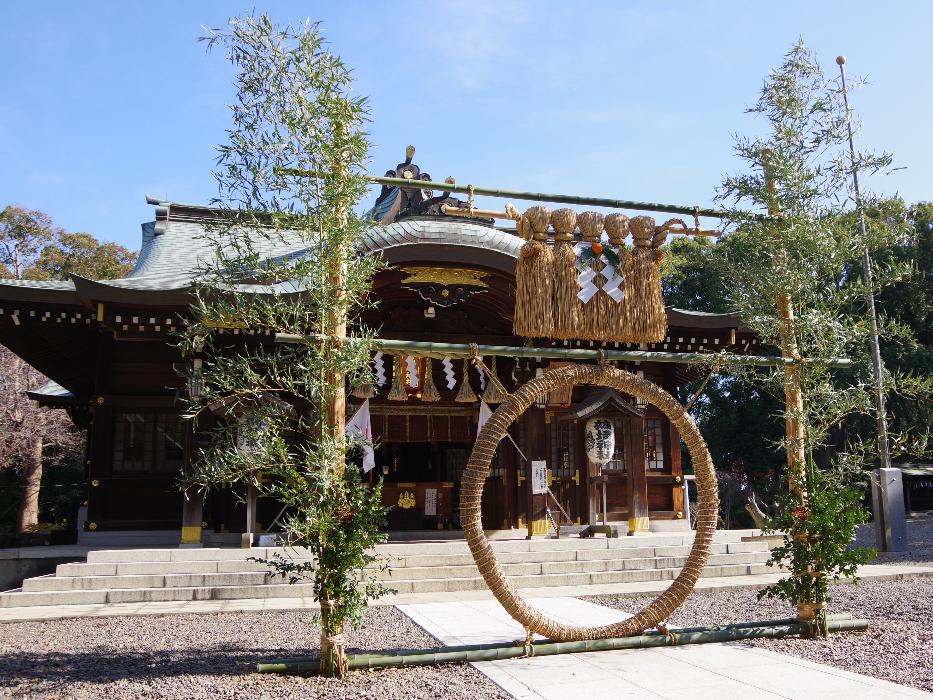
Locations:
(105, 556)
(227, 565)
(284, 590)
(86, 581)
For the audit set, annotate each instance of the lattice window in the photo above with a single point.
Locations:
(563, 452)
(147, 441)
(654, 444)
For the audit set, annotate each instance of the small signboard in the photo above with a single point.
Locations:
(430, 502)
(539, 476)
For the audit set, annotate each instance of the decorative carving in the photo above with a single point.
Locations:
(406, 500)
(445, 276)
(444, 286)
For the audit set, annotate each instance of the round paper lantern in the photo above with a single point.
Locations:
(600, 440)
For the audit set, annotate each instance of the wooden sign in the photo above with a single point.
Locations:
(539, 477)
(430, 502)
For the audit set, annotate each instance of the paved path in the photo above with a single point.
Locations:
(876, 572)
(719, 671)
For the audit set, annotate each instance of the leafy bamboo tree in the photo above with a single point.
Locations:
(286, 262)
(795, 275)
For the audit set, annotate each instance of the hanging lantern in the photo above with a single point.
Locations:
(599, 441)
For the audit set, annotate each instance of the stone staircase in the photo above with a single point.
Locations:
(159, 575)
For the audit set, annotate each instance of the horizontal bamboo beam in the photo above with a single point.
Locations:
(441, 350)
(529, 196)
(774, 629)
(489, 214)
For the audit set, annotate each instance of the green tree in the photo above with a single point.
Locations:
(23, 234)
(83, 255)
(290, 178)
(795, 276)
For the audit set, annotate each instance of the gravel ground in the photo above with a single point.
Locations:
(919, 542)
(213, 656)
(898, 645)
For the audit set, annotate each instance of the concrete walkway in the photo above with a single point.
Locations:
(730, 670)
(876, 572)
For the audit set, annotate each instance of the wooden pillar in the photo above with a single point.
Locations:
(101, 437)
(638, 482)
(192, 515)
(593, 493)
(676, 471)
(252, 496)
(192, 508)
(535, 448)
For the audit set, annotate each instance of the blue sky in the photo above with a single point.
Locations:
(104, 102)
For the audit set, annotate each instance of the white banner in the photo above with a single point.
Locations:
(360, 424)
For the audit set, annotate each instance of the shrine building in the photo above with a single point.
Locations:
(109, 349)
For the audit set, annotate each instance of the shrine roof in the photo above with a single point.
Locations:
(175, 250)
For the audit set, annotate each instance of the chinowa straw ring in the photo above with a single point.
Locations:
(477, 469)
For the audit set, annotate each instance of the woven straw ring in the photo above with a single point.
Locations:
(477, 469)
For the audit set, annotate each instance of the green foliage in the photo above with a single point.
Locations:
(81, 254)
(812, 251)
(31, 247)
(343, 530)
(286, 261)
(691, 278)
(817, 547)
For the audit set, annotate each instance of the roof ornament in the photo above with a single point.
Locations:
(400, 201)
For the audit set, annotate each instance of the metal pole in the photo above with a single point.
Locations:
(876, 363)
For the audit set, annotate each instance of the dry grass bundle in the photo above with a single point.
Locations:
(428, 390)
(466, 393)
(593, 314)
(534, 286)
(648, 319)
(398, 392)
(495, 392)
(618, 322)
(567, 306)
(364, 391)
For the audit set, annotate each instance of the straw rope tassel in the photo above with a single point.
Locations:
(567, 307)
(495, 392)
(649, 321)
(398, 391)
(364, 391)
(429, 392)
(466, 393)
(618, 322)
(593, 313)
(534, 313)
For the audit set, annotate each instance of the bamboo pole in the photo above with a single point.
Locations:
(769, 629)
(529, 196)
(455, 350)
(793, 394)
(491, 214)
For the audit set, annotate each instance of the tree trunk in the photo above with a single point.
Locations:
(32, 471)
(333, 644)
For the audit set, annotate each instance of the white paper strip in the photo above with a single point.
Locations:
(449, 373)
(379, 364)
